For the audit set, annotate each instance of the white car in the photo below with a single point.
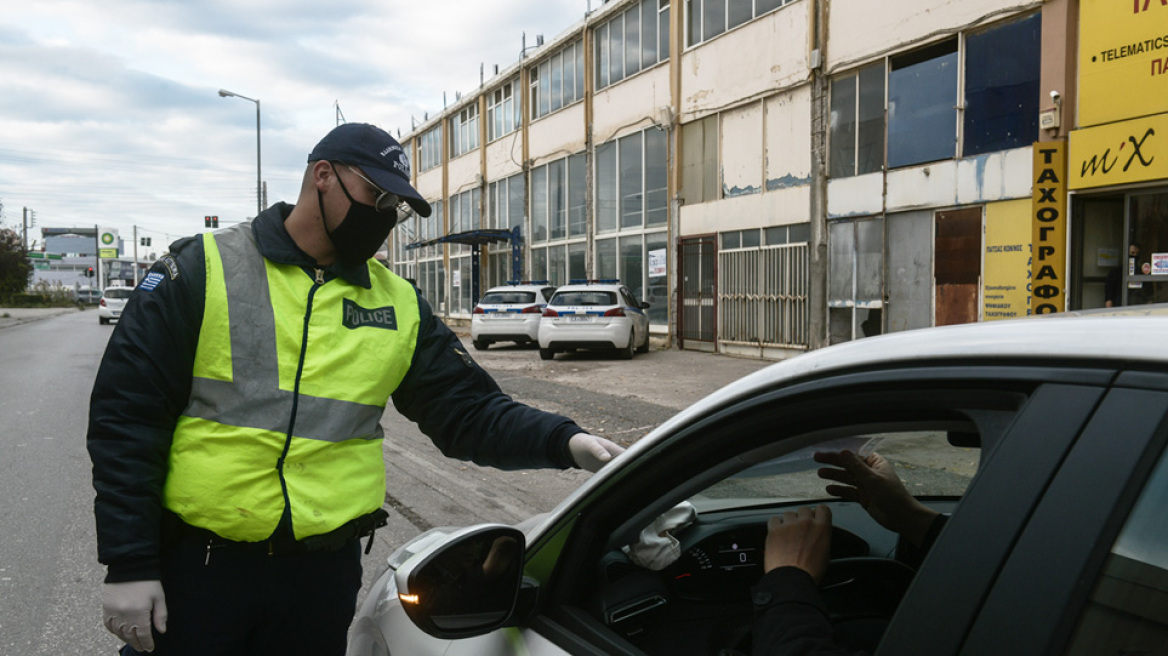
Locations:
(113, 300)
(510, 313)
(594, 314)
(1043, 439)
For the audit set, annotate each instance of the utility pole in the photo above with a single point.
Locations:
(96, 257)
(135, 256)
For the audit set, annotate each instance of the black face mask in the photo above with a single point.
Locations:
(362, 231)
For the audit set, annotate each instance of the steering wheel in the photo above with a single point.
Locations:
(861, 595)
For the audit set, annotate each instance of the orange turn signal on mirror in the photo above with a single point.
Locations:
(408, 598)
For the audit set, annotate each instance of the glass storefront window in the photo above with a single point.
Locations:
(1146, 267)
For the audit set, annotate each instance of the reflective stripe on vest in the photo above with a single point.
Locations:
(281, 356)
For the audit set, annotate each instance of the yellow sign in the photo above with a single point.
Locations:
(1120, 153)
(1048, 264)
(108, 253)
(1006, 292)
(1123, 60)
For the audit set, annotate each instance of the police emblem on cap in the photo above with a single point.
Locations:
(403, 164)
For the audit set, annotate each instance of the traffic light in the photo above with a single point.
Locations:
(145, 241)
(206, 222)
(89, 272)
(214, 222)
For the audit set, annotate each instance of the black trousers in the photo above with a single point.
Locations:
(249, 603)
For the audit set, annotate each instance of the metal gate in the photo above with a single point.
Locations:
(699, 284)
(762, 296)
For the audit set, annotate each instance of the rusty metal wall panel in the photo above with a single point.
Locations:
(909, 270)
(957, 253)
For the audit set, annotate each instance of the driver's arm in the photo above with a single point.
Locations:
(790, 616)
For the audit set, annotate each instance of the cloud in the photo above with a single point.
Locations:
(110, 116)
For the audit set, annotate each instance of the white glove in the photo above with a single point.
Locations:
(591, 452)
(127, 608)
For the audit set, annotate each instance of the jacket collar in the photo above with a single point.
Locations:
(274, 243)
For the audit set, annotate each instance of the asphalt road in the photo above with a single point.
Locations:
(50, 580)
(49, 575)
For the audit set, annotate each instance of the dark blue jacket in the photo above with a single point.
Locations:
(144, 384)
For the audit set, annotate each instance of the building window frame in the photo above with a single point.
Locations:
(550, 90)
(464, 130)
(707, 19)
(641, 42)
(503, 110)
(430, 148)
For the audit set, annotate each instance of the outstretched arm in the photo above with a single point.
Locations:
(872, 482)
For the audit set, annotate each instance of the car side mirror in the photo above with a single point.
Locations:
(466, 585)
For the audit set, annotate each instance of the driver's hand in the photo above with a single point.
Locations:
(872, 482)
(800, 538)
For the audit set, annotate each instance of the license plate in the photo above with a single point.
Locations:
(496, 316)
(582, 318)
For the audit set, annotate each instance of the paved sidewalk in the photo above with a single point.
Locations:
(16, 316)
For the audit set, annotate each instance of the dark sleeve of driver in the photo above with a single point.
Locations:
(142, 387)
(790, 618)
(462, 410)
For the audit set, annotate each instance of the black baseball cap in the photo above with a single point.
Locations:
(378, 154)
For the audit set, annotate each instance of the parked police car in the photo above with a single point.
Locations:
(510, 313)
(594, 314)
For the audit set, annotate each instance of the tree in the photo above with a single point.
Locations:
(15, 269)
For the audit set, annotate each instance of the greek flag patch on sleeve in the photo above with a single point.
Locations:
(150, 281)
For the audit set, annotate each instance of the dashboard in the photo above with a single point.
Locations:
(701, 603)
(722, 567)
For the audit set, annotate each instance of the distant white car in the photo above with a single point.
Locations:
(594, 314)
(510, 313)
(113, 300)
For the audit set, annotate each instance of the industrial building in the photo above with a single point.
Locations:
(778, 175)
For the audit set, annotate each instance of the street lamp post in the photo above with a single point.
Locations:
(223, 93)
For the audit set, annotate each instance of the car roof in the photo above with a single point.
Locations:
(1114, 336)
(521, 288)
(1125, 335)
(596, 286)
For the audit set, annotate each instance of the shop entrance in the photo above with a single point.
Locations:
(1121, 249)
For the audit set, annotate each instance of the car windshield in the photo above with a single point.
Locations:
(584, 297)
(118, 293)
(925, 460)
(512, 296)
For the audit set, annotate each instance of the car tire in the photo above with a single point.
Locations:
(481, 345)
(102, 320)
(627, 352)
(546, 354)
(644, 347)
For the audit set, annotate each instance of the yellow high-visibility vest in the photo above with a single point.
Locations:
(290, 380)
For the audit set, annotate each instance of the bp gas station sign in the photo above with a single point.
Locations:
(107, 239)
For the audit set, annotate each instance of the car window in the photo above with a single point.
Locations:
(499, 298)
(738, 468)
(117, 293)
(584, 297)
(925, 460)
(1126, 611)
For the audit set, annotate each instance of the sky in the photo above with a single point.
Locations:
(110, 116)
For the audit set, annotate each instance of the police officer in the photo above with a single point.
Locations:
(235, 420)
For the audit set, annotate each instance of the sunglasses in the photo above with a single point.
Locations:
(386, 200)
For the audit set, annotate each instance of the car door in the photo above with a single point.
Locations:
(639, 319)
(1089, 574)
(1003, 402)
